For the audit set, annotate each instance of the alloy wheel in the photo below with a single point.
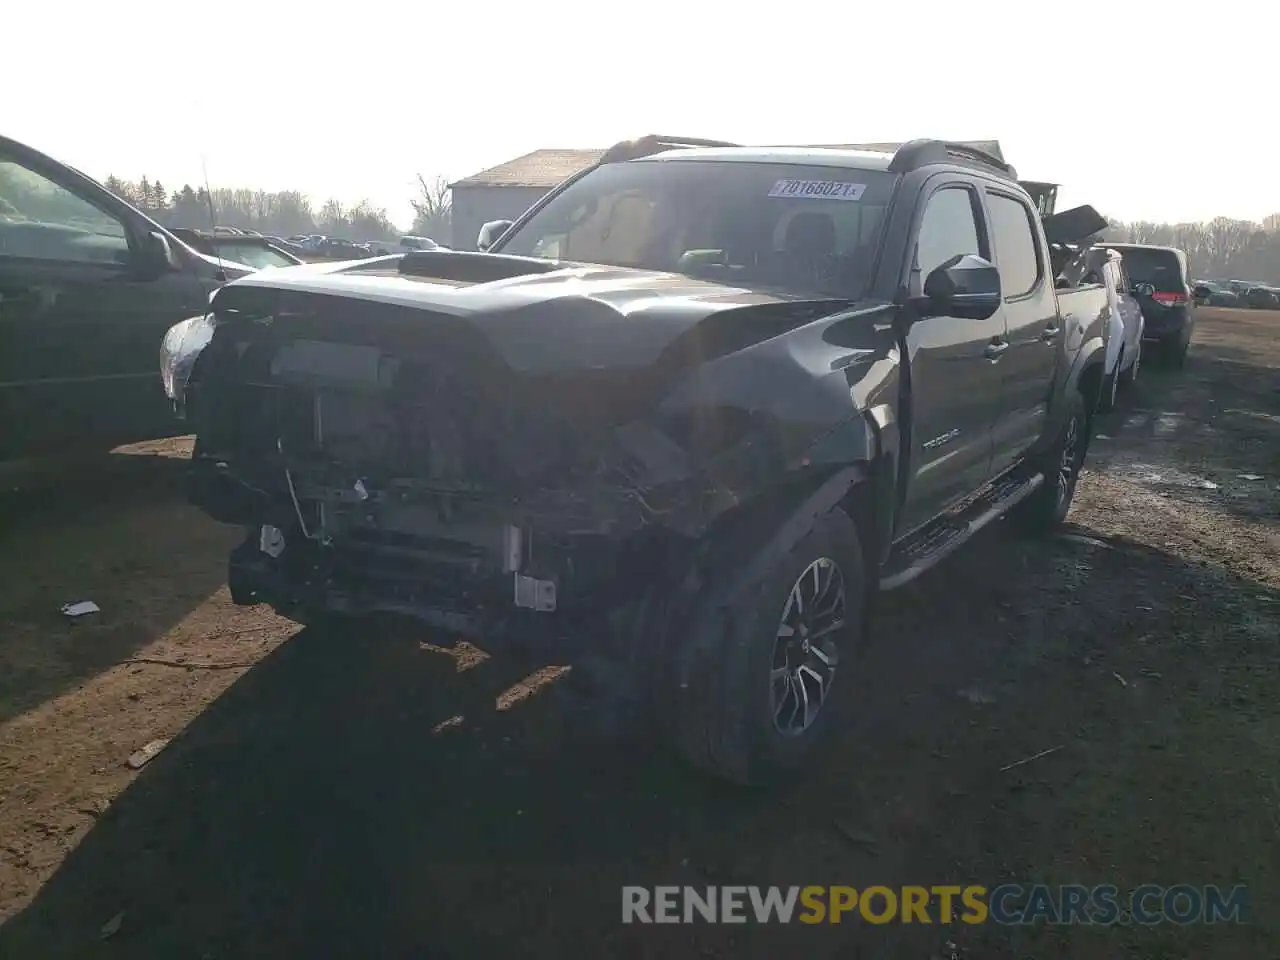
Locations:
(805, 652)
(1068, 465)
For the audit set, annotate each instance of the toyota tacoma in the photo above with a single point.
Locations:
(693, 408)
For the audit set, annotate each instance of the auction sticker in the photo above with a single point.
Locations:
(818, 189)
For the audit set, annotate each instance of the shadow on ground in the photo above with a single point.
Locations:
(111, 529)
(312, 811)
(34, 493)
(315, 811)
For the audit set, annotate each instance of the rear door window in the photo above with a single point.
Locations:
(1017, 254)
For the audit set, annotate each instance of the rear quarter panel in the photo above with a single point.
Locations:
(1085, 313)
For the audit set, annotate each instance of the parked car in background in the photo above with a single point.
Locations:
(1262, 297)
(1162, 286)
(88, 287)
(417, 243)
(1124, 340)
(257, 252)
(1216, 293)
(288, 246)
(335, 248)
(786, 379)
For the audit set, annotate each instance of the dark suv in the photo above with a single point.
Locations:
(1162, 285)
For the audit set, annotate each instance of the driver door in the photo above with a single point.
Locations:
(954, 363)
(79, 327)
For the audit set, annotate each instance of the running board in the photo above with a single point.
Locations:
(939, 539)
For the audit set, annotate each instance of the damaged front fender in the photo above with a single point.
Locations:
(744, 424)
(396, 454)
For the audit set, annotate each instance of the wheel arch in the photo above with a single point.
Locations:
(1088, 373)
(854, 467)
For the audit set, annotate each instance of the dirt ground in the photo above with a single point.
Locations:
(364, 795)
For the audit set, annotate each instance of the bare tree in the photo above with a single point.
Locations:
(433, 209)
(1226, 238)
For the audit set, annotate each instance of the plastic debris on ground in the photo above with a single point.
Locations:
(80, 607)
(140, 758)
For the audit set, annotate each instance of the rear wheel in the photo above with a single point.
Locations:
(1045, 509)
(1175, 350)
(1129, 377)
(767, 691)
(1111, 387)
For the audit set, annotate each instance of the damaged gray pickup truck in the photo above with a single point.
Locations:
(693, 409)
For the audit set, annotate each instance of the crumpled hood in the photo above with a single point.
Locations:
(548, 317)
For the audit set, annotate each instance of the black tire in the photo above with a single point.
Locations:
(1111, 387)
(1129, 377)
(1175, 350)
(1045, 509)
(725, 718)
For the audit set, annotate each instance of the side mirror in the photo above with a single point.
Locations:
(156, 256)
(1201, 292)
(1143, 290)
(966, 286)
(490, 233)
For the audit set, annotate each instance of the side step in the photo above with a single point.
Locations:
(926, 547)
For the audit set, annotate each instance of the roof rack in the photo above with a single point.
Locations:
(656, 143)
(918, 153)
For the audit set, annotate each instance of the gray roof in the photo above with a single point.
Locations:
(547, 168)
(542, 168)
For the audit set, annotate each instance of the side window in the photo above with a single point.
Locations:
(43, 221)
(1017, 255)
(948, 228)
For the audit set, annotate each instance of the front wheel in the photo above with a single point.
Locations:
(763, 691)
(1045, 509)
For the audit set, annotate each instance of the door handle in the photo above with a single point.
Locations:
(1050, 333)
(995, 349)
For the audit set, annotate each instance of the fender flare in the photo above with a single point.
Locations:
(711, 613)
(1091, 353)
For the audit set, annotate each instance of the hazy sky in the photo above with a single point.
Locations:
(1147, 110)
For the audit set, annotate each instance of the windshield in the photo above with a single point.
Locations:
(808, 229)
